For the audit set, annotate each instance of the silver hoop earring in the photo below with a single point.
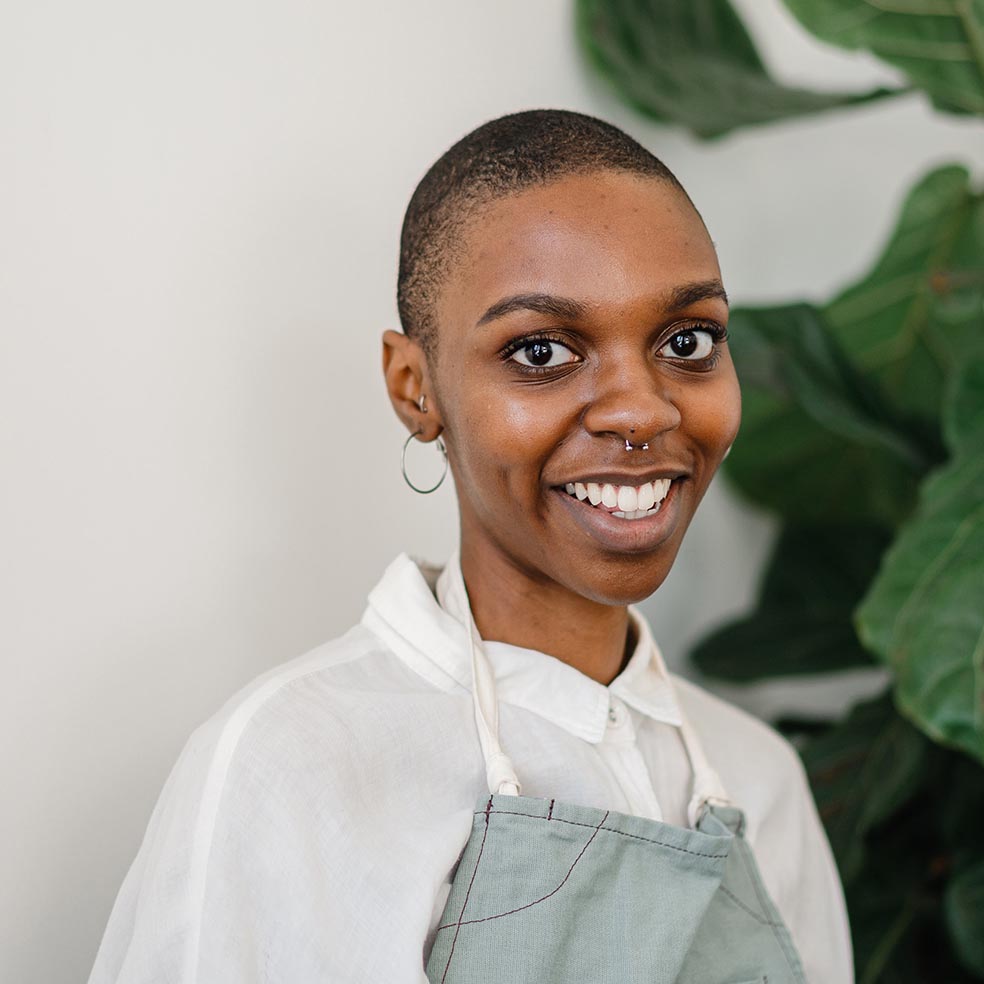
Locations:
(629, 446)
(403, 465)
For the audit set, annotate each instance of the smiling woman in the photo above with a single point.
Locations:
(357, 814)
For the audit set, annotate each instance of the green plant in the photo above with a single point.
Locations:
(863, 431)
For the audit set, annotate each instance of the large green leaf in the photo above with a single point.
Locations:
(791, 351)
(862, 771)
(785, 461)
(963, 412)
(939, 44)
(927, 828)
(815, 443)
(914, 317)
(802, 623)
(964, 908)
(895, 906)
(924, 614)
(846, 429)
(693, 63)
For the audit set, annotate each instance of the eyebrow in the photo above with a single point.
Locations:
(700, 290)
(558, 307)
(570, 310)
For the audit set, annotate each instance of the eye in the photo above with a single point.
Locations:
(692, 344)
(541, 353)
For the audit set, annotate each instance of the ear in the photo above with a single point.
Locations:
(407, 380)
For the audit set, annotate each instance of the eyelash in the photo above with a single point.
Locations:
(522, 342)
(717, 332)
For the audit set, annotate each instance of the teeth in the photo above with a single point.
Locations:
(625, 501)
(637, 514)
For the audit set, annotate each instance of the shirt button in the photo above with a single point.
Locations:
(615, 716)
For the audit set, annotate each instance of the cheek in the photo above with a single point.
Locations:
(515, 427)
(500, 441)
(714, 417)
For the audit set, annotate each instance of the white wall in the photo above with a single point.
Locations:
(199, 209)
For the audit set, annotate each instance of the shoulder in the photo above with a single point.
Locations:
(327, 700)
(724, 724)
(251, 801)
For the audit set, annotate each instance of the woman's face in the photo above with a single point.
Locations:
(581, 315)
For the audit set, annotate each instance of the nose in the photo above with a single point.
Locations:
(633, 401)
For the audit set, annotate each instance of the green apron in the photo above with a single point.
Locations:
(549, 892)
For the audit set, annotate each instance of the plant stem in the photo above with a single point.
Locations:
(879, 959)
(974, 32)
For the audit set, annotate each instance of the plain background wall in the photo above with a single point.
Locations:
(199, 211)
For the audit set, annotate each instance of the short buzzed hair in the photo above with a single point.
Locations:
(505, 156)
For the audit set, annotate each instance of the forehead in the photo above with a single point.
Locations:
(603, 238)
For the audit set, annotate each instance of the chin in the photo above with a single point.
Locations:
(625, 580)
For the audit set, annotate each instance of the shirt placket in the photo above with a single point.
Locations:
(621, 754)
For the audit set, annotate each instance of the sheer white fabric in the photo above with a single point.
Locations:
(309, 830)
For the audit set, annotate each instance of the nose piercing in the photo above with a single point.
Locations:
(629, 446)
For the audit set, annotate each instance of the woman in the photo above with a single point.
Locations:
(565, 348)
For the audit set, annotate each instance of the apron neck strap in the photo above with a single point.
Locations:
(452, 595)
(708, 789)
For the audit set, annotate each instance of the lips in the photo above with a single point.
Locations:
(624, 530)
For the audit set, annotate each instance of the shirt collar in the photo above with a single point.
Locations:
(403, 610)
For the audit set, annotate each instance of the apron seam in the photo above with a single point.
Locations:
(464, 904)
(610, 830)
(793, 964)
(741, 905)
(529, 905)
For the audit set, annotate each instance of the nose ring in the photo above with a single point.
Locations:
(629, 446)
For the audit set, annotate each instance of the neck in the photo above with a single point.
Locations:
(511, 605)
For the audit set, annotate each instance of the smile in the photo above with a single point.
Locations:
(629, 502)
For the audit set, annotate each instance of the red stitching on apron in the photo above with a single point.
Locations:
(529, 905)
(488, 807)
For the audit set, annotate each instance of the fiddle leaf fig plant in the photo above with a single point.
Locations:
(924, 613)
(938, 44)
(653, 53)
(863, 432)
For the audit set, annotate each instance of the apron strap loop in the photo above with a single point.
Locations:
(707, 787)
(501, 775)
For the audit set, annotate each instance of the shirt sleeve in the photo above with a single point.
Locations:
(151, 930)
(252, 870)
(799, 870)
(231, 884)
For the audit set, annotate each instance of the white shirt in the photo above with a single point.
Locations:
(309, 830)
